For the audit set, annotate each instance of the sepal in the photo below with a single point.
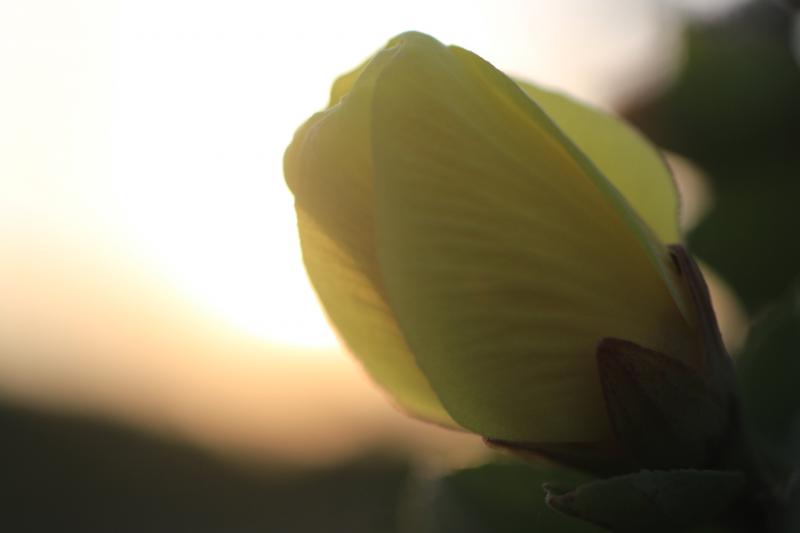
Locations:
(651, 500)
(661, 410)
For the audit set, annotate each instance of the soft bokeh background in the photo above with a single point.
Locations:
(164, 364)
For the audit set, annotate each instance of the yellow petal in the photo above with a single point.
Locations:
(505, 254)
(342, 85)
(328, 167)
(365, 322)
(622, 155)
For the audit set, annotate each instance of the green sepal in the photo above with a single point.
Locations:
(716, 364)
(498, 497)
(661, 410)
(651, 500)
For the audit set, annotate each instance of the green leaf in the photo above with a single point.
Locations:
(733, 110)
(493, 498)
(652, 500)
(506, 255)
(789, 519)
(769, 373)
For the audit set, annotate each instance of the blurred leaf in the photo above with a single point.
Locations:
(652, 500)
(769, 370)
(494, 498)
(789, 522)
(735, 111)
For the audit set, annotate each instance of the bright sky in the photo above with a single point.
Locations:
(206, 98)
(162, 124)
(145, 228)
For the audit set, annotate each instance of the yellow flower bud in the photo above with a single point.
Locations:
(473, 239)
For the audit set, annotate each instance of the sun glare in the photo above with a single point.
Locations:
(162, 125)
(206, 99)
(202, 113)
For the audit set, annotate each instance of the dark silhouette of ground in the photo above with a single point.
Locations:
(69, 474)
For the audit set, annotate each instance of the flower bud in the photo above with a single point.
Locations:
(474, 239)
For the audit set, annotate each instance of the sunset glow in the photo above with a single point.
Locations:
(149, 260)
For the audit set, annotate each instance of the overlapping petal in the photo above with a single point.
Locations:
(328, 166)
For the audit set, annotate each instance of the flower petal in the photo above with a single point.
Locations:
(365, 322)
(328, 167)
(342, 85)
(506, 256)
(629, 162)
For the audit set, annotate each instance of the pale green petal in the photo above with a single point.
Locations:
(365, 322)
(631, 163)
(506, 256)
(328, 167)
(345, 82)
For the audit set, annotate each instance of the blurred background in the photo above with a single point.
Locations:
(164, 364)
